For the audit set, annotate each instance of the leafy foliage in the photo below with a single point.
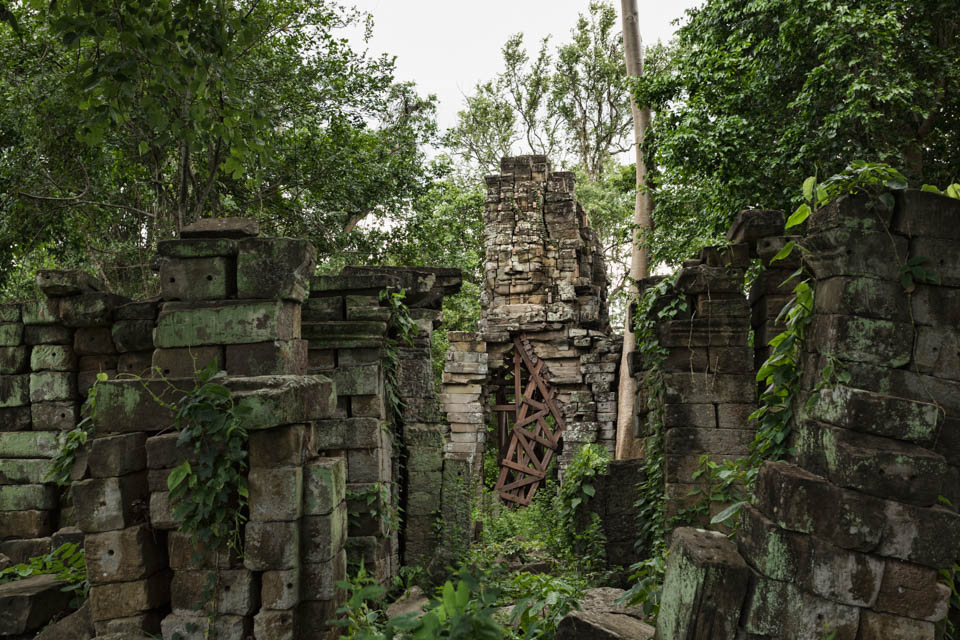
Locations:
(210, 495)
(402, 329)
(756, 93)
(72, 441)
(67, 562)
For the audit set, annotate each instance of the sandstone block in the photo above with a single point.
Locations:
(118, 455)
(29, 604)
(93, 341)
(129, 405)
(852, 338)
(24, 471)
(197, 248)
(880, 626)
(237, 228)
(280, 590)
(11, 334)
(14, 391)
(185, 554)
(684, 441)
(234, 592)
(912, 591)
(197, 278)
(107, 504)
(318, 581)
(185, 362)
(878, 414)
(143, 310)
(276, 494)
(58, 282)
(52, 334)
(133, 335)
(186, 324)
(26, 524)
(276, 625)
(324, 486)
(871, 254)
(272, 545)
(14, 360)
(275, 268)
(11, 311)
(322, 537)
(323, 309)
(286, 445)
(28, 497)
(53, 386)
(123, 555)
(781, 610)
(136, 363)
(861, 296)
(705, 584)
(90, 309)
(280, 400)
(278, 357)
(29, 444)
(125, 599)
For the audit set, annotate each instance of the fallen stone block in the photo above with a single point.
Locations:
(589, 625)
(704, 588)
(30, 603)
(76, 626)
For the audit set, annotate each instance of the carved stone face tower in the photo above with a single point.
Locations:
(540, 372)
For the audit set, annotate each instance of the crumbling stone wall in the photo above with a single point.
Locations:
(545, 280)
(848, 537)
(305, 354)
(708, 373)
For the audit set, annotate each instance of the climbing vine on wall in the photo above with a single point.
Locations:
(208, 492)
(401, 330)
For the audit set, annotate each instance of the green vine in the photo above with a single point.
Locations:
(378, 504)
(402, 330)
(67, 562)
(71, 442)
(580, 531)
(209, 497)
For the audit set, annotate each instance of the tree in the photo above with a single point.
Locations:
(642, 224)
(759, 95)
(124, 121)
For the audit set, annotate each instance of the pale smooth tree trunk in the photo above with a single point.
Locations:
(628, 446)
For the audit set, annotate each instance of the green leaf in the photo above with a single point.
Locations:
(953, 191)
(178, 475)
(929, 188)
(589, 490)
(798, 217)
(808, 186)
(784, 252)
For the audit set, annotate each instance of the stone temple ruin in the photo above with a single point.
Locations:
(847, 537)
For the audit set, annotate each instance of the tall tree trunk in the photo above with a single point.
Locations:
(627, 445)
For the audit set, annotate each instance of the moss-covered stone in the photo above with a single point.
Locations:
(14, 360)
(878, 414)
(275, 268)
(52, 357)
(132, 335)
(134, 405)
(54, 416)
(277, 357)
(197, 248)
(14, 390)
(48, 334)
(197, 278)
(24, 470)
(25, 497)
(59, 282)
(278, 400)
(53, 386)
(324, 485)
(45, 311)
(90, 309)
(11, 334)
(234, 322)
(10, 312)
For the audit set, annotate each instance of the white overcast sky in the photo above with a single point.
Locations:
(448, 46)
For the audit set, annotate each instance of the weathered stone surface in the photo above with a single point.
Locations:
(143, 626)
(14, 360)
(76, 626)
(15, 418)
(139, 310)
(276, 625)
(236, 591)
(40, 312)
(707, 388)
(878, 414)
(322, 537)
(161, 513)
(52, 334)
(185, 362)
(860, 296)
(26, 524)
(591, 625)
(806, 503)
(280, 400)
(28, 604)
(11, 311)
(197, 248)
(713, 441)
(277, 357)
(272, 545)
(324, 485)
(124, 555)
(937, 352)
(275, 268)
(781, 610)
(93, 341)
(11, 334)
(130, 405)
(286, 445)
(90, 309)
(323, 309)
(275, 493)
(125, 599)
(197, 278)
(56, 282)
(879, 626)
(809, 562)
(877, 255)
(117, 455)
(186, 554)
(852, 338)
(133, 335)
(280, 590)
(705, 584)
(319, 581)
(913, 591)
(186, 324)
(753, 224)
(883, 467)
(27, 497)
(14, 391)
(107, 504)
(221, 228)
(24, 471)
(136, 363)
(53, 386)
(29, 444)
(191, 626)
(52, 357)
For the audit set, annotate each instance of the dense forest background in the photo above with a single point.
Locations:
(120, 122)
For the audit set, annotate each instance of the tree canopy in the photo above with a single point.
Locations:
(758, 94)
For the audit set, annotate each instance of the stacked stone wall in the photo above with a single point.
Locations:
(849, 537)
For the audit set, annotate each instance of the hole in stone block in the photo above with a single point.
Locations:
(109, 552)
(209, 277)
